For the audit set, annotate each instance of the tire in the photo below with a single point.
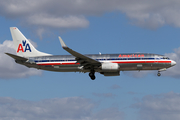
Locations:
(159, 74)
(93, 77)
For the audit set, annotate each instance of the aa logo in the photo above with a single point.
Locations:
(22, 46)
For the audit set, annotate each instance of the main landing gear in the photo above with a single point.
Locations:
(91, 75)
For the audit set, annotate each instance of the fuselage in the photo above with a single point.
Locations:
(126, 62)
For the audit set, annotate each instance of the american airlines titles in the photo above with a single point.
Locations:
(132, 55)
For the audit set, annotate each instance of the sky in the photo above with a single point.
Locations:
(90, 27)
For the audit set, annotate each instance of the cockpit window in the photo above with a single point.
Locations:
(165, 58)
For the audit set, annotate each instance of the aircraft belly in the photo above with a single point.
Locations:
(144, 66)
(63, 68)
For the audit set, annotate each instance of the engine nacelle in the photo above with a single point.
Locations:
(111, 73)
(110, 66)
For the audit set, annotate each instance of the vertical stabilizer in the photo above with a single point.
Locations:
(22, 45)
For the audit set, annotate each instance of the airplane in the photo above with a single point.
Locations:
(105, 64)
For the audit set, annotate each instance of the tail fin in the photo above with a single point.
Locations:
(22, 45)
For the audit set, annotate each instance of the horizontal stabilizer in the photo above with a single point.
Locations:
(16, 57)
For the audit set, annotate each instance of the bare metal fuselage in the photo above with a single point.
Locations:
(127, 62)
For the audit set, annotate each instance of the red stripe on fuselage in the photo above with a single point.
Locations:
(126, 62)
(58, 63)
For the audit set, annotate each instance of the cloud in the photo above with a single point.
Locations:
(72, 14)
(105, 95)
(152, 14)
(71, 108)
(115, 87)
(175, 70)
(58, 22)
(9, 68)
(109, 114)
(132, 93)
(33, 43)
(159, 107)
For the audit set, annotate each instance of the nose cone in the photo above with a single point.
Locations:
(173, 63)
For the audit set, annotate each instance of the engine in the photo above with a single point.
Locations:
(110, 66)
(111, 73)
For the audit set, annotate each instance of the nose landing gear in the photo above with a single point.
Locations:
(160, 70)
(159, 74)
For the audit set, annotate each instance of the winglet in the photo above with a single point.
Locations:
(62, 42)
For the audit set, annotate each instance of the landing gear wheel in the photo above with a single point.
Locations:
(159, 74)
(92, 76)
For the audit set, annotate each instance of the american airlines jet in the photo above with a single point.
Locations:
(106, 64)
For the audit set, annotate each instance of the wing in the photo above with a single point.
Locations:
(85, 61)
